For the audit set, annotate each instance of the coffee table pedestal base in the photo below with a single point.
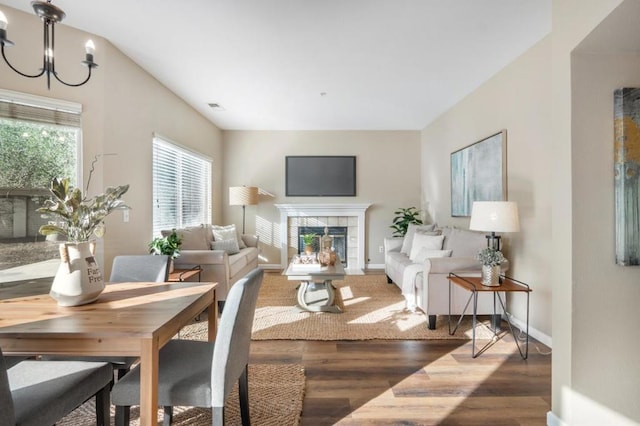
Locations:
(307, 289)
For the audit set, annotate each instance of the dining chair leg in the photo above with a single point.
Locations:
(103, 402)
(168, 416)
(243, 391)
(217, 416)
(122, 415)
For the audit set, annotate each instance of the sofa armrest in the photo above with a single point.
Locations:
(393, 244)
(250, 240)
(203, 257)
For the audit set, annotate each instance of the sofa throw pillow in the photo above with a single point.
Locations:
(425, 254)
(193, 237)
(230, 246)
(221, 233)
(430, 242)
(411, 231)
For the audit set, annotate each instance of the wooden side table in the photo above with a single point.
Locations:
(474, 285)
(180, 275)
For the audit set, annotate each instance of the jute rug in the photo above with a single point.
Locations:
(276, 392)
(372, 309)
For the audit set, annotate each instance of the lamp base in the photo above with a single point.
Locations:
(493, 241)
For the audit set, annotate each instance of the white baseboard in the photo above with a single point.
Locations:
(270, 266)
(533, 332)
(375, 265)
(553, 420)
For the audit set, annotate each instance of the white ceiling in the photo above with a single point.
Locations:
(381, 64)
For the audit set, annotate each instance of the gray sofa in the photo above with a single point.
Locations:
(425, 285)
(217, 265)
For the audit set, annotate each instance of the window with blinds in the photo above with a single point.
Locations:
(181, 187)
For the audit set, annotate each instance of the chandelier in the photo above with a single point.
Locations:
(50, 15)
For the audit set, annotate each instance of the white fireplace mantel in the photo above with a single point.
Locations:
(338, 209)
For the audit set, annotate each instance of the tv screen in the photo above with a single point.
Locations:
(320, 176)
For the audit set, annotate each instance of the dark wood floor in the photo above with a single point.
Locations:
(432, 382)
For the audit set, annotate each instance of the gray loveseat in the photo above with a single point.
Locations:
(425, 285)
(219, 265)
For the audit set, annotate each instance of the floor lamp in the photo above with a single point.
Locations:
(243, 196)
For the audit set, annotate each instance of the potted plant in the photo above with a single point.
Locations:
(169, 245)
(404, 217)
(78, 219)
(308, 240)
(491, 260)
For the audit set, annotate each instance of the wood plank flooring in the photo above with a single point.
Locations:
(433, 382)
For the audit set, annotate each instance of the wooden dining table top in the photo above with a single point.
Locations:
(128, 319)
(123, 313)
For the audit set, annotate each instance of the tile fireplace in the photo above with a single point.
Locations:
(345, 219)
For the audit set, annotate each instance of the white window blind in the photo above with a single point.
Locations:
(181, 187)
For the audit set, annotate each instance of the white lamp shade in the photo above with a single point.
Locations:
(243, 195)
(494, 216)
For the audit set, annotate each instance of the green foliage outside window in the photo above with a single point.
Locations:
(32, 154)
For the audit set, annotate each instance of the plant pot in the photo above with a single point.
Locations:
(490, 275)
(79, 278)
(308, 249)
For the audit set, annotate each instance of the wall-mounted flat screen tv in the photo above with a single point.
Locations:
(320, 176)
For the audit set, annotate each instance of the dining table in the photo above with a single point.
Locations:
(128, 319)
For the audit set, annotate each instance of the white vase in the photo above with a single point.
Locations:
(490, 275)
(79, 278)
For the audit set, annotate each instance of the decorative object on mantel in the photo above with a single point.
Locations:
(169, 245)
(404, 217)
(243, 196)
(626, 112)
(50, 15)
(79, 279)
(493, 216)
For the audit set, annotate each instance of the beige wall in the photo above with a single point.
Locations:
(388, 176)
(122, 107)
(558, 112)
(516, 99)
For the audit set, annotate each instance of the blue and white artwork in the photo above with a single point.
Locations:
(478, 173)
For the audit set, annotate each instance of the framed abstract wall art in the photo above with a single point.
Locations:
(478, 173)
(626, 107)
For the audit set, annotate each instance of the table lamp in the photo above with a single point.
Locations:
(243, 196)
(494, 216)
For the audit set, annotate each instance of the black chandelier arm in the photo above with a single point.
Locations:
(42, 71)
(55, 74)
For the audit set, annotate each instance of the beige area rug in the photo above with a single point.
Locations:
(372, 309)
(271, 402)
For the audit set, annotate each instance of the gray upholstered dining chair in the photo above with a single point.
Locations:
(128, 268)
(140, 268)
(42, 392)
(202, 374)
(136, 268)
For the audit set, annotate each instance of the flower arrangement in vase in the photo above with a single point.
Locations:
(491, 260)
(79, 279)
